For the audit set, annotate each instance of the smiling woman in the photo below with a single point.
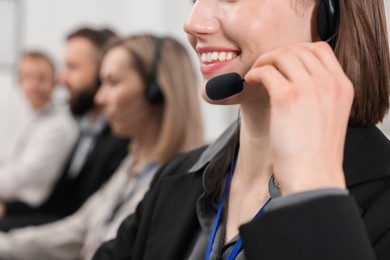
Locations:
(304, 174)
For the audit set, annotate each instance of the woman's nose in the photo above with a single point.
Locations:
(202, 19)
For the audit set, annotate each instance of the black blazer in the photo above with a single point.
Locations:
(355, 227)
(70, 193)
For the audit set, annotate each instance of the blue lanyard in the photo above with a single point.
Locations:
(238, 245)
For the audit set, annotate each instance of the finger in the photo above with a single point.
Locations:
(326, 56)
(310, 61)
(335, 77)
(287, 62)
(268, 76)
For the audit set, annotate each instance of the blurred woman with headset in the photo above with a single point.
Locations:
(304, 174)
(148, 94)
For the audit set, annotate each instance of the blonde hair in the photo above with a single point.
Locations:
(181, 123)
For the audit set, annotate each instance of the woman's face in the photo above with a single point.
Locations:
(122, 94)
(229, 35)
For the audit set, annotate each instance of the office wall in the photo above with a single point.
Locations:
(45, 23)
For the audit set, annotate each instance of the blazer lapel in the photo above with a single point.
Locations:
(173, 245)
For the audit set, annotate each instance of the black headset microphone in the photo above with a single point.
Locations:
(226, 85)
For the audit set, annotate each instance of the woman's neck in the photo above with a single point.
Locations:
(141, 154)
(249, 186)
(254, 159)
(143, 145)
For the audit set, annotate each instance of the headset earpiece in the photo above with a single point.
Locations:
(328, 19)
(153, 90)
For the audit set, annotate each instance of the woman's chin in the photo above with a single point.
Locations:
(119, 131)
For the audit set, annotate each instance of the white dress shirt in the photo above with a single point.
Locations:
(37, 156)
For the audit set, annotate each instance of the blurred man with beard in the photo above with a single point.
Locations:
(96, 154)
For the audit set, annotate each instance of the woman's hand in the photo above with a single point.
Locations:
(310, 99)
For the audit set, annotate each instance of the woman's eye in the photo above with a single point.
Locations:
(112, 83)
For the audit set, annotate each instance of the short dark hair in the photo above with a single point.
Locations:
(99, 38)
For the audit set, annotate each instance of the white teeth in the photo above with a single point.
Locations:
(222, 56)
(209, 57)
(229, 56)
(203, 58)
(214, 56)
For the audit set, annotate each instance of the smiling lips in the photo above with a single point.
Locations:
(212, 61)
(208, 57)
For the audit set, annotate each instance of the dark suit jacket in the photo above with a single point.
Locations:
(353, 227)
(69, 193)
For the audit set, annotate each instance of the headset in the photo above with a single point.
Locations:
(229, 84)
(153, 91)
(328, 20)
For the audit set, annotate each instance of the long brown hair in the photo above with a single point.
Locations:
(363, 51)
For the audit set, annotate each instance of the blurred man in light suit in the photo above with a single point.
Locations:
(38, 154)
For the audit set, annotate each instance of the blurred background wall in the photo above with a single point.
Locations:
(43, 24)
